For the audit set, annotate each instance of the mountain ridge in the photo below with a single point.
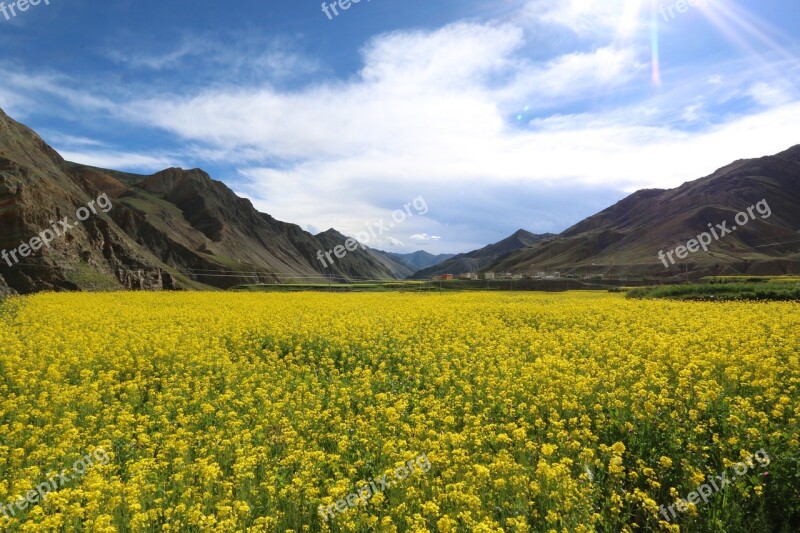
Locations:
(174, 229)
(477, 260)
(625, 238)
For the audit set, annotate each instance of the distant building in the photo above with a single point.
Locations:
(468, 275)
(443, 277)
(488, 276)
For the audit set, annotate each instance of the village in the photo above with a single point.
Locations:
(491, 276)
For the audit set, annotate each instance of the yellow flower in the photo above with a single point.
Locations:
(213, 407)
(548, 449)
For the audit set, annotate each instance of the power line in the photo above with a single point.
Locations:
(776, 244)
(229, 274)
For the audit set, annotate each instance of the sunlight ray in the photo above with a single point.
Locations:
(743, 28)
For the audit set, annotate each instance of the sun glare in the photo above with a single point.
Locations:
(739, 26)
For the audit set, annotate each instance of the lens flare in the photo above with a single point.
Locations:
(655, 55)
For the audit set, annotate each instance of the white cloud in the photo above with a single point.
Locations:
(119, 160)
(423, 101)
(770, 95)
(57, 138)
(692, 113)
(549, 85)
(587, 18)
(160, 61)
(433, 109)
(56, 86)
(394, 243)
(242, 53)
(424, 237)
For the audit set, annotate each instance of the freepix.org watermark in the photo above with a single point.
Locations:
(19, 5)
(334, 7)
(363, 237)
(39, 494)
(60, 228)
(705, 238)
(371, 488)
(681, 6)
(719, 482)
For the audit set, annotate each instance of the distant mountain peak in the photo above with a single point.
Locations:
(477, 259)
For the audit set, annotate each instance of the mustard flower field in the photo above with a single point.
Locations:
(485, 412)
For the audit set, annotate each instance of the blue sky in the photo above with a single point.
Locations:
(502, 115)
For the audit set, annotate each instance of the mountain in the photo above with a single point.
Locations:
(627, 237)
(479, 259)
(176, 229)
(399, 269)
(405, 265)
(364, 260)
(415, 261)
(423, 259)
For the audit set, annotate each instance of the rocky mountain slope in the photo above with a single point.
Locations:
(478, 260)
(171, 230)
(626, 238)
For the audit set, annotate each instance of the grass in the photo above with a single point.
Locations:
(454, 285)
(336, 287)
(751, 279)
(763, 290)
(85, 276)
